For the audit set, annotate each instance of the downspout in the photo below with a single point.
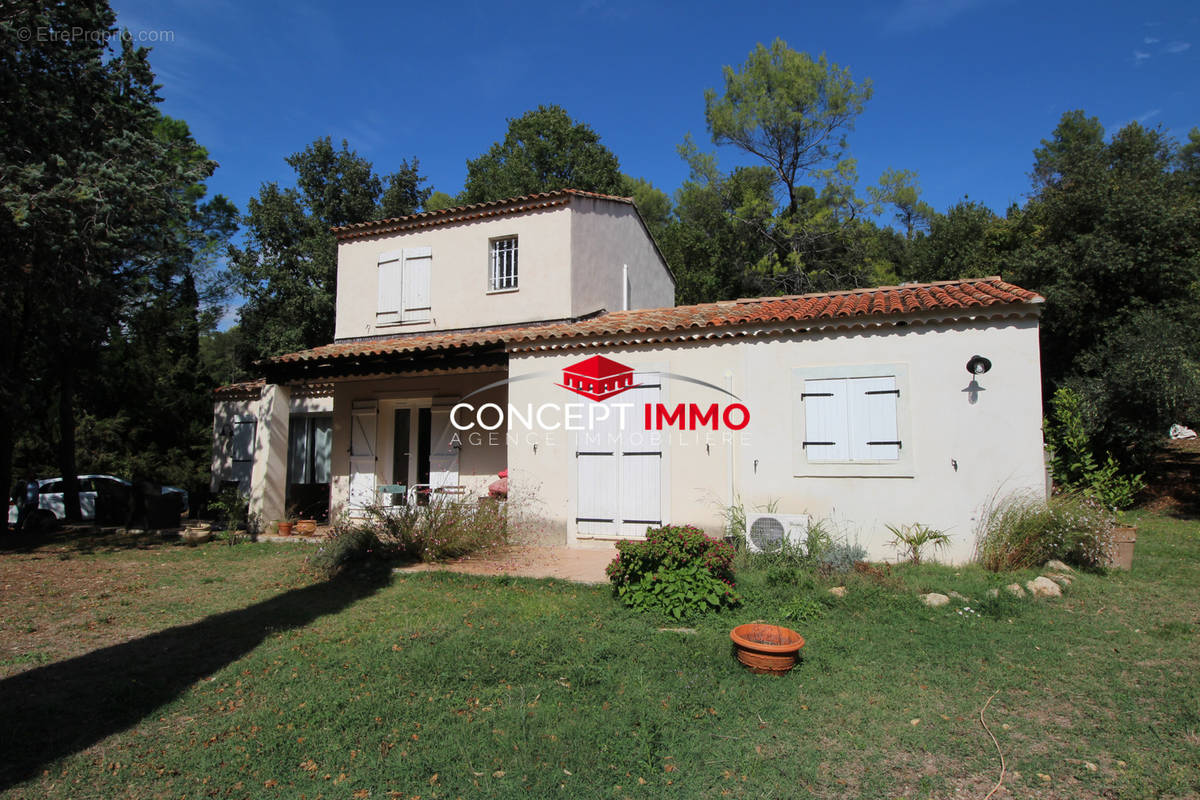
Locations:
(732, 491)
(625, 287)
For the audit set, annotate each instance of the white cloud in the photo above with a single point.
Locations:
(1149, 115)
(915, 15)
(1178, 47)
(1139, 56)
(1150, 40)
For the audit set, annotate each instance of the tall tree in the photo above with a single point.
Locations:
(898, 188)
(1114, 246)
(792, 112)
(968, 241)
(788, 110)
(85, 187)
(287, 268)
(543, 150)
(149, 411)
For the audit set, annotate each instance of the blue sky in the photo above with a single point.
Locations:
(964, 89)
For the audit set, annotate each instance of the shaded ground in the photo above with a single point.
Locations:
(1173, 483)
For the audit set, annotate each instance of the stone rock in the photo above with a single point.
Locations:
(933, 599)
(1062, 580)
(1042, 586)
(1090, 766)
(993, 593)
(838, 591)
(688, 631)
(1057, 566)
(1015, 590)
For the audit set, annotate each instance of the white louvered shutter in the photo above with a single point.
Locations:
(874, 435)
(825, 420)
(418, 271)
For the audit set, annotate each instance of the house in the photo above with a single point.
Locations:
(539, 335)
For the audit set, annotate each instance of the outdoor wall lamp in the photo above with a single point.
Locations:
(978, 365)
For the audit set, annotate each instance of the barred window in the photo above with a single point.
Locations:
(503, 270)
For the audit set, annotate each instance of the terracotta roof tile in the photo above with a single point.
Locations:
(965, 295)
(245, 390)
(492, 208)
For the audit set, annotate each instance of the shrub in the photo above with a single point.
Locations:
(347, 543)
(231, 510)
(1021, 532)
(909, 540)
(840, 557)
(678, 570)
(1072, 464)
(448, 527)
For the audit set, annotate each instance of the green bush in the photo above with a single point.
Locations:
(347, 543)
(677, 570)
(230, 510)
(840, 557)
(448, 527)
(1072, 463)
(1022, 532)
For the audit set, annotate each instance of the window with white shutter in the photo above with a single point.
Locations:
(404, 286)
(850, 423)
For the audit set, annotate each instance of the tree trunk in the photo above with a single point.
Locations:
(66, 440)
(6, 450)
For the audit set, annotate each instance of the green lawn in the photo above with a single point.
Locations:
(230, 674)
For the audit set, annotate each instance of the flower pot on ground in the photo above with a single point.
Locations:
(1124, 537)
(285, 528)
(305, 527)
(766, 649)
(196, 535)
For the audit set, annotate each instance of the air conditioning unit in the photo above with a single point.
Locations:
(766, 533)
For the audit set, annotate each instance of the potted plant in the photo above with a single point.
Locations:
(766, 649)
(284, 526)
(1124, 537)
(305, 527)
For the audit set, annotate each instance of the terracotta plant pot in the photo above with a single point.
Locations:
(196, 535)
(766, 649)
(1124, 538)
(305, 527)
(285, 529)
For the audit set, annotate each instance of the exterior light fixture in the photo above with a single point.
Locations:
(978, 365)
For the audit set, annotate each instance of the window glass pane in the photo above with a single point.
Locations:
(503, 265)
(298, 450)
(243, 440)
(322, 447)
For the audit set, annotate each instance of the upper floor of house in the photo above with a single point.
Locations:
(553, 256)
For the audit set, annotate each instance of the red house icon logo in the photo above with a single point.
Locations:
(598, 378)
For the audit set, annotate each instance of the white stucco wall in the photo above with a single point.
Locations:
(606, 236)
(995, 443)
(459, 285)
(478, 464)
(271, 413)
(570, 261)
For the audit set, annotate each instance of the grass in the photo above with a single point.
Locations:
(232, 675)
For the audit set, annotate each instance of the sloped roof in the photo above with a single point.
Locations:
(954, 298)
(492, 208)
